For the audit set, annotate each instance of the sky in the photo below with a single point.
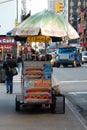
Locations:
(8, 13)
(41, 4)
(7, 17)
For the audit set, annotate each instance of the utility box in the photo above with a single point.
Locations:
(60, 104)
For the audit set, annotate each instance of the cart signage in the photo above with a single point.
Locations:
(39, 38)
(37, 82)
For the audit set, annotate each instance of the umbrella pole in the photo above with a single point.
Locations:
(35, 48)
(45, 49)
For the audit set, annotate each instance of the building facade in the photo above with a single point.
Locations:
(51, 6)
(76, 13)
(77, 16)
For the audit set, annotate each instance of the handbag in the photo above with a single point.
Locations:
(14, 71)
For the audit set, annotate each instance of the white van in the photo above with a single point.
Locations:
(84, 56)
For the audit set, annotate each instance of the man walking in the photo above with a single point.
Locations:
(7, 65)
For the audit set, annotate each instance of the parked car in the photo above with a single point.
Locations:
(68, 56)
(84, 56)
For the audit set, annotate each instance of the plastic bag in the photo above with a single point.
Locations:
(14, 71)
(55, 85)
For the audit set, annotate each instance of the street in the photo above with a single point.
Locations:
(73, 83)
(70, 80)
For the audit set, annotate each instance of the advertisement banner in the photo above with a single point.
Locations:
(80, 28)
(82, 20)
(7, 42)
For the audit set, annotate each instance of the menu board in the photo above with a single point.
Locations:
(46, 71)
(37, 82)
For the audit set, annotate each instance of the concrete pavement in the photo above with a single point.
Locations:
(71, 120)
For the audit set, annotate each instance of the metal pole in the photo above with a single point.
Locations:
(17, 10)
(84, 3)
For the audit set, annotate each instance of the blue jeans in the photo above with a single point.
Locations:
(9, 83)
(19, 65)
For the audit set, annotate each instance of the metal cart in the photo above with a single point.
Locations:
(36, 85)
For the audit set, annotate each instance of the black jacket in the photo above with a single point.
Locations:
(9, 63)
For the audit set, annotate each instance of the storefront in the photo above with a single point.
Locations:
(7, 45)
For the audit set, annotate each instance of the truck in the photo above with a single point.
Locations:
(68, 56)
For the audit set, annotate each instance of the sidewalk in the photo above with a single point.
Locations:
(71, 120)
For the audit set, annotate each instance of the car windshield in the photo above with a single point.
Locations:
(68, 49)
(84, 53)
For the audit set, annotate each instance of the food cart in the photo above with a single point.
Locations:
(36, 83)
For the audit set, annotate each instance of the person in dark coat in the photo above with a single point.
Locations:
(7, 65)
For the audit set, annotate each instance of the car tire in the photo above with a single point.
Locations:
(74, 64)
(57, 64)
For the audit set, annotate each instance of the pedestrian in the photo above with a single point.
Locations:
(13, 57)
(19, 63)
(7, 65)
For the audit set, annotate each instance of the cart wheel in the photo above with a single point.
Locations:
(52, 108)
(17, 103)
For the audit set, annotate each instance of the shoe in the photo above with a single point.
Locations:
(7, 91)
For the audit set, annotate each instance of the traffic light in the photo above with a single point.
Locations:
(58, 6)
(16, 23)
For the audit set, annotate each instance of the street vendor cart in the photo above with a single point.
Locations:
(36, 84)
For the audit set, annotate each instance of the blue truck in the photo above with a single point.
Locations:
(68, 56)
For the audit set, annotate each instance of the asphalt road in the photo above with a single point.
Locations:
(73, 83)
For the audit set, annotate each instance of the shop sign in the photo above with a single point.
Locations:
(4, 41)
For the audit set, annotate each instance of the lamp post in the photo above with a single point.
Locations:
(17, 10)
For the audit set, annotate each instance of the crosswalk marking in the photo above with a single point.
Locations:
(75, 81)
(17, 78)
